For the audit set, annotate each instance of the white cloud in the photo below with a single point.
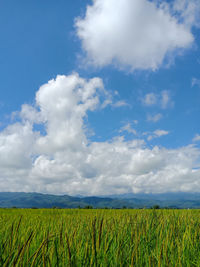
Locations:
(64, 161)
(120, 103)
(138, 34)
(161, 133)
(162, 100)
(188, 12)
(128, 128)
(195, 82)
(154, 118)
(29, 113)
(110, 101)
(165, 100)
(157, 134)
(150, 99)
(196, 138)
(106, 103)
(16, 143)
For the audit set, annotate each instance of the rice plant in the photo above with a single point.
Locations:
(75, 237)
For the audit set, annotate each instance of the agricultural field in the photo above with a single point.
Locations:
(73, 237)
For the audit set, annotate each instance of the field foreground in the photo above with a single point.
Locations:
(54, 237)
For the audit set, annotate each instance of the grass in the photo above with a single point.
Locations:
(53, 237)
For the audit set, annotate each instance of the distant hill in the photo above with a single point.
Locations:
(36, 200)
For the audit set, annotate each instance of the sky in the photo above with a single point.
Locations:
(100, 97)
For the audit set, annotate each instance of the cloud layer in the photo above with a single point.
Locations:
(48, 150)
(136, 34)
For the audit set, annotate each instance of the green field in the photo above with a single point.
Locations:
(54, 237)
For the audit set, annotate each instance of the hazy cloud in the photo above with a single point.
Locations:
(195, 82)
(120, 103)
(196, 138)
(161, 100)
(154, 118)
(188, 11)
(128, 128)
(157, 134)
(150, 99)
(165, 100)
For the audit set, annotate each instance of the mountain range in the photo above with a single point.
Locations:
(37, 200)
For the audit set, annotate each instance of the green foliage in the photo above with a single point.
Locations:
(91, 237)
(88, 207)
(156, 207)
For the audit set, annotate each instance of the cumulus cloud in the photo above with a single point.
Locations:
(62, 159)
(136, 34)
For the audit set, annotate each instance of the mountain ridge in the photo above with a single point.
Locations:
(39, 200)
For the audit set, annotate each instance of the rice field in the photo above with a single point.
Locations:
(55, 237)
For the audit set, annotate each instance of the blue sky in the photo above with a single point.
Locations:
(149, 68)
